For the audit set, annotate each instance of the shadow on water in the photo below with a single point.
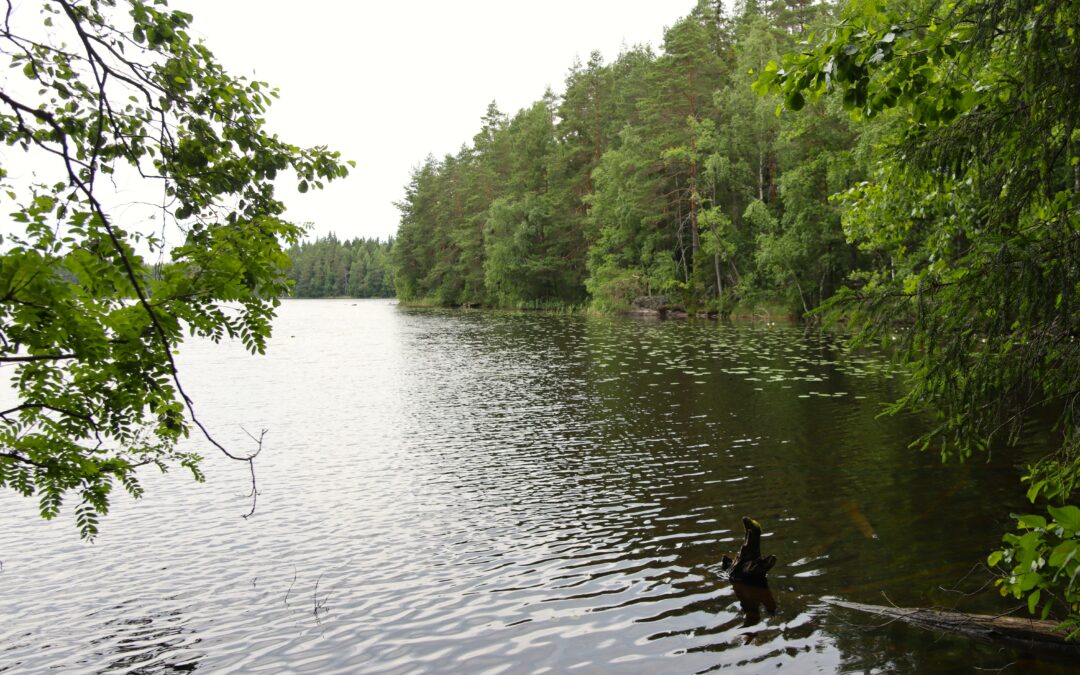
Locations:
(157, 643)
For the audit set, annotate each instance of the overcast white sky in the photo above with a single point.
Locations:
(387, 83)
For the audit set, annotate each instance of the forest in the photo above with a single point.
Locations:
(655, 174)
(330, 268)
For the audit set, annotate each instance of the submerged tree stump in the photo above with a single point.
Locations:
(747, 573)
(749, 567)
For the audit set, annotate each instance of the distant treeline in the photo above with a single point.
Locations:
(654, 174)
(329, 268)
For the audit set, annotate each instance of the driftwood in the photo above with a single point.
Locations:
(1018, 631)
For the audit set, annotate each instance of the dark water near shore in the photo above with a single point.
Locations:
(477, 492)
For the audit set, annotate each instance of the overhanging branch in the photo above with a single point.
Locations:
(36, 357)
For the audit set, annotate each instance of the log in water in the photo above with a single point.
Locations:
(1028, 633)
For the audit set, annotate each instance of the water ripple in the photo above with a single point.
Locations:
(489, 493)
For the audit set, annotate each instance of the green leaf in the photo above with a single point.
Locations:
(1031, 522)
(1066, 516)
(1033, 600)
(1063, 553)
(1035, 489)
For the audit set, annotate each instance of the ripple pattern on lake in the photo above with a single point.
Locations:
(487, 493)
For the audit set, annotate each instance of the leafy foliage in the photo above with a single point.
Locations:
(1043, 563)
(119, 94)
(973, 216)
(638, 180)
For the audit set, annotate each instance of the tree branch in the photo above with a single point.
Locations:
(24, 460)
(37, 357)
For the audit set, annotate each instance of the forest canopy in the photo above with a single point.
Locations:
(659, 173)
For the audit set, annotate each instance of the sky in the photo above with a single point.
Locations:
(387, 83)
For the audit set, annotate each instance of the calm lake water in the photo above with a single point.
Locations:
(471, 492)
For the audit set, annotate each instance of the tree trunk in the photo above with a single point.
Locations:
(773, 170)
(760, 174)
(1018, 631)
(695, 235)
(719, 282)
(802, 298)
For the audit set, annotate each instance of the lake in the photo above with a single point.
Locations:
(486, 492)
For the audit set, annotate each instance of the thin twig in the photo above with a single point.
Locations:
(290, 585)
(254, 494)
(977, 591)
(319, 606)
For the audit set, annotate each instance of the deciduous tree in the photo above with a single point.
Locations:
(111, 93)
(974, 212)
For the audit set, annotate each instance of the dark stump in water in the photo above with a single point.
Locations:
(749, 567)
(747, 574)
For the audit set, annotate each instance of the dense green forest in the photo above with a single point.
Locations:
(657, 173)
(921, 183)
(330, 268)
(970, 217)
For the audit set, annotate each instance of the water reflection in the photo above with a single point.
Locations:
(150, 643)
(751, 599)
(518, 492)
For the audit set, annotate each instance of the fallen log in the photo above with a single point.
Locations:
(1032, 634)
